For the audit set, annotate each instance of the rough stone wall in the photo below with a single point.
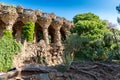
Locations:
(39, 53)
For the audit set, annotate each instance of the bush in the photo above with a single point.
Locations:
(28, 31)
(8, 48)
(72, 43)
(87, 50)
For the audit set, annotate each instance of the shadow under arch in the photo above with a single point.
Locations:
(17, 31)
(51, 32)
(63, 33)
(38, 35)
(2, 28)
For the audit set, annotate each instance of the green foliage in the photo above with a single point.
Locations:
(89, 29)
(117, 36)
(118, 20)
(86, 16)
(116, 48)
(108, 39)
(118, 9)
(8, 48)
(97, 42)
(72, 43)
(7, 34)
(28, 31)
(84, 49)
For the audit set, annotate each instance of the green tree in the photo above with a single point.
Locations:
(90, 29)
(93, 33)
(118, 9)
(86, 16)
(89, 25)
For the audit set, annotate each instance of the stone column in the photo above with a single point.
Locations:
(45, 34)
(18, 35)
(57, 35)
(2, 27)
(44, 21)
(9, 17)
(9, 25)
(57, 24)
(1, 32)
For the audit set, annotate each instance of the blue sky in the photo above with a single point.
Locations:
(68, 8)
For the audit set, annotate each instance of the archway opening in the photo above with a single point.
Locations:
(17, 30)
(2, 27)
(63, 33)
(51, 34)
(38, 32)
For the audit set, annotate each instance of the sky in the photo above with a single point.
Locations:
(106, 9)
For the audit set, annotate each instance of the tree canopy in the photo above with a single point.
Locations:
(89, 25)
(97, 41)
(86, 16)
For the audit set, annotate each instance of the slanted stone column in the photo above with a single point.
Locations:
(44, 21)
(18, 35)
(9, 25)
(45, 34)
(2, 27)
(57, 24)
(9, 16)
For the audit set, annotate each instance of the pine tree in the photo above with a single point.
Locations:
(118, 9)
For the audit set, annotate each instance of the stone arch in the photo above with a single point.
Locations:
(38, 35)
(51, 31)
(17, 30)
(2, 27)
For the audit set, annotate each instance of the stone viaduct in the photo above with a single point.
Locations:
(52, 28)
(47, 24)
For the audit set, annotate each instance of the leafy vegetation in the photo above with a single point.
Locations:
(72, 43)
(28, 31)
(118, 9)
(7, 34)
(94, 40)
(8, 48)
(85, 16)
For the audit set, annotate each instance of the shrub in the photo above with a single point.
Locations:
(8, 48)
(72, 44)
